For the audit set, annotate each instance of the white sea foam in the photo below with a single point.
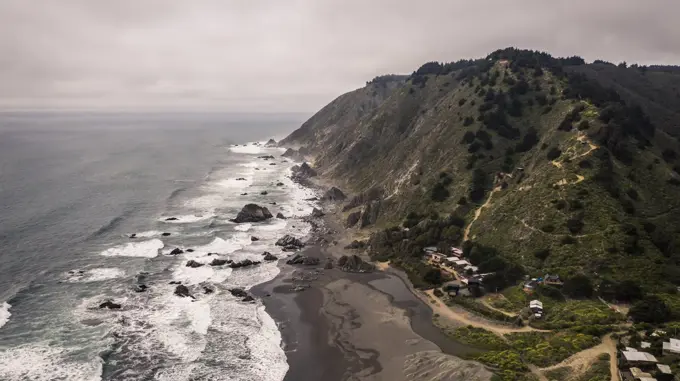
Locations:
(94, 275)
(146, 249)
(270, 359)
(235, 184)
(148, 234)
(247, 149)
(40, 362)
(4, 313)
(187, 219)
(243, 227)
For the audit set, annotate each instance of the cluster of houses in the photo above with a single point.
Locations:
(638, 365)
(467, 272)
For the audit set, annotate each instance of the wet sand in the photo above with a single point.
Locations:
(359, 326)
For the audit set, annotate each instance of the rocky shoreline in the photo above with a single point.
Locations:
(341, 319)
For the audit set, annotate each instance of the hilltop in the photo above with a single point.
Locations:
(533, 163)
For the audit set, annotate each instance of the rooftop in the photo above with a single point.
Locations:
(665, 369)
(634, 356)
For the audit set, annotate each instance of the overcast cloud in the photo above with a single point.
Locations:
(251, 55)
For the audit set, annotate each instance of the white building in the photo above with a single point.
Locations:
(672, 346)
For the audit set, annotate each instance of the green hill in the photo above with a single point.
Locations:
(574, 177)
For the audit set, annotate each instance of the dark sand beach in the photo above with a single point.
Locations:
(358, 326)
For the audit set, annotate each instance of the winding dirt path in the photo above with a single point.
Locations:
(478, 213)
(461, 316)
(581, 361)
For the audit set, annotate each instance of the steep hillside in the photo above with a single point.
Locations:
(521, 153)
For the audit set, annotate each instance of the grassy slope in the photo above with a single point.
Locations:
(403, 142)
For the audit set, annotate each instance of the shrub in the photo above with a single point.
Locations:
(548, 228)
(433, 276)
(578, 286)
(574, 225)
(462, 102)
(468, 121)
(469, 137)
(553, 153)
(439, 192)
(651, 309)
(542, 254)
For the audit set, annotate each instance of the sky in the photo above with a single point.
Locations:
(289, 55)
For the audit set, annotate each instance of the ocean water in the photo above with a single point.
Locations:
(73, 187)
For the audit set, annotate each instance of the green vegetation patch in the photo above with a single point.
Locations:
(478, 337)
(546, 349)
(599, 371)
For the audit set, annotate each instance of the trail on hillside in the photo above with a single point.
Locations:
(489, 306)
(580, 362)
(463, 317)
(478, 212)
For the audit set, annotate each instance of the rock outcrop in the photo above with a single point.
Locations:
(354, 264)
(370, 213)
(293, 155)
(269, 256)
(219, 262)
(243, 263)
(317, 213)
(334, 194)
(193, 264)
(182, 291)
(290, 243)
(372, 194)
(176, 251)
(110, 305)
(252, 213)
(300, 259)
(352, 219)
(280, 216)
(271, 143)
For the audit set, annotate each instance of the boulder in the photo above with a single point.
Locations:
(172, 219)
(248, 298)
(334, 194)
(353, 219)
(133, 235)
(238, 292)
(312, 199)
(279, 215)
(317, 213)
(264, 193)
(208, 290)
(241, 179)
(176, 251)
(252, 213)
(190, 250)
(271, 143)
(182, 291)
(165, 234)
(175, 282)
(193, 264)
(110, 305)
(140, 288)
(253, 239)
(279, 184)
(270, 257)
(289, 240)
(267, 157)
(244, 194)
(219, 262)
(329, 264)
(272, 203)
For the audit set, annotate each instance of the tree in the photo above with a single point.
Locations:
(554, 153)
(628, 290)
(439, 192)
(542, 254)
(433, 276)
(578, 286)
(651, 309)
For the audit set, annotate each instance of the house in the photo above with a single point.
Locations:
(436, 257)
(456, 252)
(536, 306)
(553, 280)
(430, 249)
(530, 285)
(472, 268)
(672, 346)
(638, 359)
(645, 344)
(461, 263)
(638, 374)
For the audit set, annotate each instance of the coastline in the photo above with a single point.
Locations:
(358, 326)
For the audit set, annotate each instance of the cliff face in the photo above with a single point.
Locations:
(533, 157)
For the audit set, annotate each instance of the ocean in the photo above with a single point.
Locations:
(75, 186)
